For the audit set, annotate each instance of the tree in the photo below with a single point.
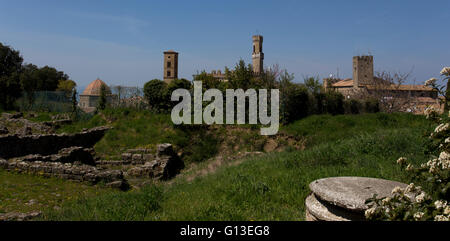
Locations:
(208, 81)
(241, 77)
(29, 81)
(102, 98)
(155, 92)
(74, 103)
(119, 90)
(313, 84)
(10, 67)
(334, 102)
(9, 90)
(66, 85)
(294, 102)
(270, 77)
(10, 61)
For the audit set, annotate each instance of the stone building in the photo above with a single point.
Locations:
(364, 83)
(170, 66)
(257, 54)
(363, 70)
(91, 95)
(219, 75)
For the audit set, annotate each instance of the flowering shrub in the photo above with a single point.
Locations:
(442, 90)
(413, 203)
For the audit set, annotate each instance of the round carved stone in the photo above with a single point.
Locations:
(309, 216)
(352, 192)
(318, 210)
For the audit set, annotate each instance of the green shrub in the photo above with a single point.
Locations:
(155, 93)
(294, 103)
(372, 106)
(334, 102)
(429, 201)
(355, 107)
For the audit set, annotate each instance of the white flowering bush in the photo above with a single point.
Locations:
(428, 198)
(442, 89)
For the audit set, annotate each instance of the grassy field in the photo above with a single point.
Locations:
(143, 129)
(25, 193)
(273, 186)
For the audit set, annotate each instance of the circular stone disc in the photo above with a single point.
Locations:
(309, 217)
(352, 192)
(323, 211)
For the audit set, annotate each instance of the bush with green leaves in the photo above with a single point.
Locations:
(158, 93)
(430, 200)
(442, 89)
(154, 92)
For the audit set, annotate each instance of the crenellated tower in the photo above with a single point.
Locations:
(258, 55)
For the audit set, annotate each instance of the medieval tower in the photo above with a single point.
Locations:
(362, 70)
(170, 66)
(258, 55)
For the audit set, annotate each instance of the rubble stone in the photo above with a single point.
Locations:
(166, 165)
(68, 171)
(14, 216)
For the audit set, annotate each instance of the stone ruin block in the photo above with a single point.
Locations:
(3, 130)
(112, 162)
(166, 165)
(66, 155)
(137, 158)
(127, 157)
(344, 198)
(139, 151)
(82, 173)
(17, 146)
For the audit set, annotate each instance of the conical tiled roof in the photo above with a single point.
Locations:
(94, 88)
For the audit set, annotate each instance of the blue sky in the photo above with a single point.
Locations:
(122, 41)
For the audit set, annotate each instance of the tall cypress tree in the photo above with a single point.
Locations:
(102, 100)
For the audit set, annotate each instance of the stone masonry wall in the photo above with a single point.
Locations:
(82, 173)
(16, 146)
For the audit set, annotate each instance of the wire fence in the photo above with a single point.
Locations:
(51, 101)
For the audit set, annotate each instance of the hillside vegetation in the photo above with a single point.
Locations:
(268, 187)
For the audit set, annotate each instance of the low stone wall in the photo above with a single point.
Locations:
(113, 162)
(17, 146)
(138, 156)
(74, 154)
(14, 216)
(166, 165)
(82, 173)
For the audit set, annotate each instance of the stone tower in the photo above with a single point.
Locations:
(258, 55)
(170, 66)
(362, 70)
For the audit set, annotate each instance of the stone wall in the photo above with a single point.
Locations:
(17, 146)
(82, 173)
(67, 155)
(138, 156)
(166, 165)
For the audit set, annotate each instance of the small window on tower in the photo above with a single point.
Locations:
(168, 73)
(169, 64)
(253, 48)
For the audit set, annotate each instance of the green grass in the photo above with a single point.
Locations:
(326, 128)
(271, 187)
(16, 190)
(143, 129)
